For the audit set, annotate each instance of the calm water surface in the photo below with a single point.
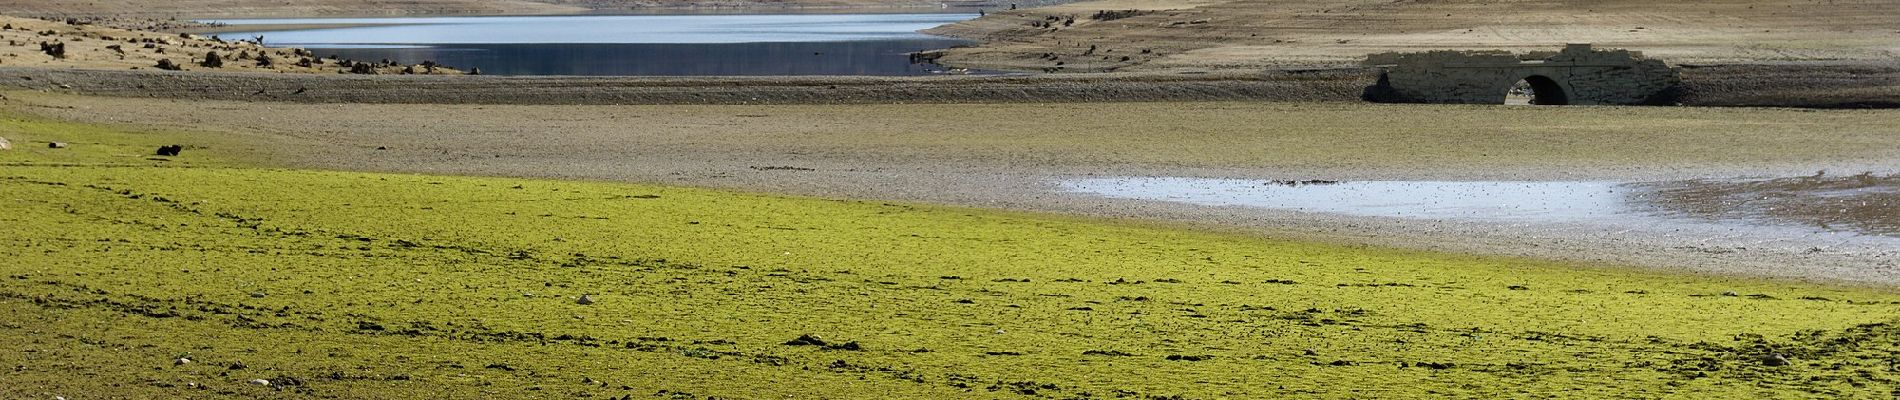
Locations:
(797, 44)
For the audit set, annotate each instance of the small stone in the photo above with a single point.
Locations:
(4, 145)
(1730, 293)
(1775, 360)
(181, 361)
(584, 300)
(260, 382)
(806, 340)
(56, 145)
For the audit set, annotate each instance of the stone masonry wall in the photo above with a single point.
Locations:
(1587, 76)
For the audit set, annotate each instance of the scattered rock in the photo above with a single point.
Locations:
(1775, 360)
(260, 382)
(4, 145)
(56, 145)
(847, 346)
(806, 340)
(181, 361)
(1730, 293)
(168, 65)
(584, 300)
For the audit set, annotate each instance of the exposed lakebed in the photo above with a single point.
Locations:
(1860, 205)
(677, 45)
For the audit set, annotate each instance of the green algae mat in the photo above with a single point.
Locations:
(133, 276)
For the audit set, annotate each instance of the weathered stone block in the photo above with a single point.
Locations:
(1579, 74)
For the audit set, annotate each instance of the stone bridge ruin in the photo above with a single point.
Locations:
(1577, 75)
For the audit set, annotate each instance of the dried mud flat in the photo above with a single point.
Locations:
(964, 154)
(1781, 85)
(1864, 202)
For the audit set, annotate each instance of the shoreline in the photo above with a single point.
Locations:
(1823, 86)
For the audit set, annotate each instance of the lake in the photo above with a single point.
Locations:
(676, 45)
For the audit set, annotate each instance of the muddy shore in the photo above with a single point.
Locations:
(1783, 85)
(1323, 85)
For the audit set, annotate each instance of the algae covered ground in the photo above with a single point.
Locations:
(118, 265)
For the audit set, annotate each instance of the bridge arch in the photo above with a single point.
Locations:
(1542, 90)
(1579, 74)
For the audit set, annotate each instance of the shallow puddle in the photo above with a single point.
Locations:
(1854, 205)
(1491, 201)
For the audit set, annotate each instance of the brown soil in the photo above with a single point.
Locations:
(1864, 202)
(1819, 85)
(1181, 34)
(99, 47)
(1815, 86)
(1337, 85)
(189, 9)
(186, 9)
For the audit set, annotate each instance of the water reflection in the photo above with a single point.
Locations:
(796, 44)
(882, 57)
(737, 28)
(1487, 201)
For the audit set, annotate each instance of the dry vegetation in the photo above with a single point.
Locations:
(186, 9)
(31, 43)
